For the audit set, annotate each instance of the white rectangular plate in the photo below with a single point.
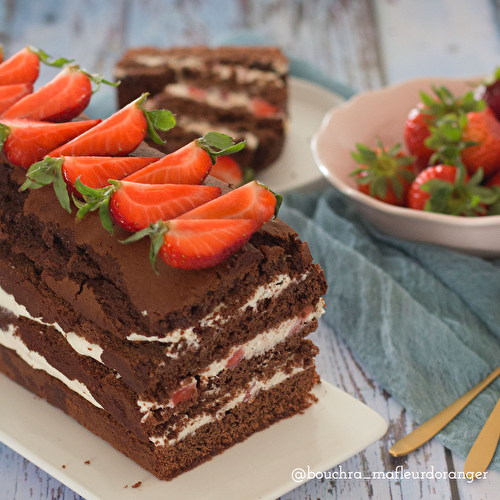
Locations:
(332, 430)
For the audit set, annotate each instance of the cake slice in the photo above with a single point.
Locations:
(171, 369)
(239, 91)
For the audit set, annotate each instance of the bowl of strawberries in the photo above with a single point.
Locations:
(421, 160)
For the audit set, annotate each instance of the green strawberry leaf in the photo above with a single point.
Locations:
(96, 199)
(159, 119)
(217, 144)
(155, 231)
(4, 134)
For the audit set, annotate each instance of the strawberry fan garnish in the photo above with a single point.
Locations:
(88, 161)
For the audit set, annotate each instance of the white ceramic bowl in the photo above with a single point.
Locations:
(381, 114)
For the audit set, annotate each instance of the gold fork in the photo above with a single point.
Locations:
(484, 446)
(430, 428)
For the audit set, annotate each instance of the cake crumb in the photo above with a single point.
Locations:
(136, 485)
(126, 486)
(63, 466)
(87, 462)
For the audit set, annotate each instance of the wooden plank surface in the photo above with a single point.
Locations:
(361, 43)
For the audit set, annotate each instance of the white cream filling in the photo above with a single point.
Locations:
(79, 344)
(255, 347)
(264, 341)
(257, 76)
(10, 340)
(213, 97)
(192, 425)
(202, 127)
(191, 338)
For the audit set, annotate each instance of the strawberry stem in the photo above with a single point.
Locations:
(156, 119)
(217, 144)
(45, 172)
(4, 133)
(98, 80)
(155, 231)
(96, 199)
(45, 58)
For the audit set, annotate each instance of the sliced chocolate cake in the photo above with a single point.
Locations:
(239, 91)
(170, 368)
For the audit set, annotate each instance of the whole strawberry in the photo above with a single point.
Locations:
(385, 174)
(469, 138)
(426, 113)
(489, 92)
(447, 189)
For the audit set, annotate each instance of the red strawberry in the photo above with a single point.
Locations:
(135, 206)
(489, 91)
(416, 131)
(60, 100)
(426, 113)
(25, 142)
(262, 108)
(483, 129)
(93, 171)
(227, 170)
(251, 201)
(494, 184)
(447, 189)
(197, 244)
(189, 164)
(10, 94)
(385, 174)
(24, 66)
(120, 134)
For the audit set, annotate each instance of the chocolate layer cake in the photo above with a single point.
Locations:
(239, 91)
(171, 369)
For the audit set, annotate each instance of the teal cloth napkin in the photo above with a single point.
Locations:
(423, 320)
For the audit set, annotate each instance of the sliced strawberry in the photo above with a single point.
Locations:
(227, 170)
(120, 134)
(196, 244)
(190, 164)
(60, 100)
(10, 94)
(93, 171)
(262, 108)
(251, 201)
(25, 142)
(134, 206)
(24, 66)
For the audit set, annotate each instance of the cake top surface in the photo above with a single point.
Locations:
(128, 267)
(270, 58)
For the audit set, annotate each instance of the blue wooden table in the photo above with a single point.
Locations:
(364, 44)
